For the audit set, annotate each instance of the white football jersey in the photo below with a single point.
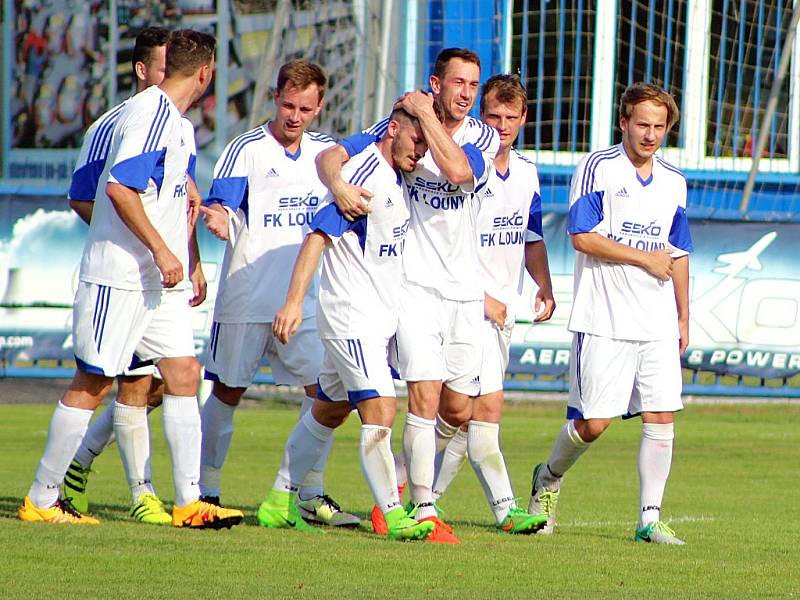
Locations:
(362, 267)
(149, 152)
(94, 153)
(274, 195)
(510, 214)
(608, 197)
(441, 252)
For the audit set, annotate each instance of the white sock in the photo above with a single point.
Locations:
(67, 428)
(655, 459)
(99, 435)
(314, 484)
(566, 451)
(303, 448)
(451, 460)
(182, 430)
(133, 440)
(490, 466)
(377, 464)
(419, 447)
(444, 433)
(216, 422)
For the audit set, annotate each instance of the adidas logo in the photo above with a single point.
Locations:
(623, 193)
(476, 380)
(389, 203)
(272, 173)
(488, 193)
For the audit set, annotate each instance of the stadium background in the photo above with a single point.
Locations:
(733, 66)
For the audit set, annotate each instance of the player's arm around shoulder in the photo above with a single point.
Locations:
(448, 156)
(288, 318)
(352, 200)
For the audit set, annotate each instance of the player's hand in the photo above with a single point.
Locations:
(170, 267)
(659, 264)
(416, 103)
(216, 220)
(353, 201)
(287, 321)
(683, 330)
(199, 285)
(193, 203)
(544, 305)
(494, 311)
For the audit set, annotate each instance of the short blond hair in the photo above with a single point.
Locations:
(507, 89)
(301, 74)
(648, 92)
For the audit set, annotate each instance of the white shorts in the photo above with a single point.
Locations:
(609, 377)
(496, 348)
(235, 351)
(439, 339)
(114, 329)
(355, 370)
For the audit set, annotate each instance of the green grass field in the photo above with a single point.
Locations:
(733, 496)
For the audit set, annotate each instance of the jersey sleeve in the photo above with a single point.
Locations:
(534, 231)
(92, 157)
(86, 175)
(480, 147)
(229, 186)
(332, 222)
(680, 238)
(141, 148)
(585, 199)
(356, 143)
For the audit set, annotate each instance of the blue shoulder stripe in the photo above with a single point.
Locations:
(319, 137)
(524, 158)
(235, 149)
(481, 141)
(157, 127)
(591, 165)
(588, 171)
(364, 171)
(96, 151)
(379, 128)
(485, 140)
(669, 167)
(102, 141)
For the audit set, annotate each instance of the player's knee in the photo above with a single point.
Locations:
(455, 416)
(91, 384)
(181, 375)
(330, 414)
(591, 429)
(378, 411)
(488, 408)
(228, 395)
(156, 395)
